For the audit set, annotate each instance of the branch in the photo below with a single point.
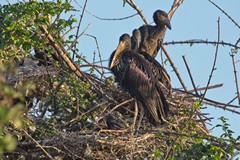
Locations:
(195, 89)
(209, 87)
(214, 62)
(225, 14)
(235, 76)
(99, 54)
(175, 6)
(28, 135)
(189, 72)
(134, 6)
(237, 41)
(174, 68)
(199, 41)
(209, 100)
(76, 39)
(61, 53)
(114, 108)
(107, 19)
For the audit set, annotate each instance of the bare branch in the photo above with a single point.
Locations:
(75, 41)
(114, 108)
(81, 17)
(214, 62)
(175, 6)
(107, 19)
(235, 76)
(174, 68)
(213, 102)
(99, 54)
(189, 72)
(225, 13)
(199, 41)
(237, 41)
(209, 87)
(133, 5)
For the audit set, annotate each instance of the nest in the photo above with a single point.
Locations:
(96, 140)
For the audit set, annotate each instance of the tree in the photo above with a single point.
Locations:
(65, 111)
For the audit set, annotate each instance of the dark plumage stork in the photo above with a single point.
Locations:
(151, 37)
(133, 72)
(135, 39)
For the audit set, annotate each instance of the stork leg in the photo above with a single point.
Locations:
(141, 116)
(135, 115)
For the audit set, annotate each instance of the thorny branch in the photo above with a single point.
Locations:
(225, 13)
(235, 76)
(174, 68)
(78, 27)
(199, 41)
(214, 62)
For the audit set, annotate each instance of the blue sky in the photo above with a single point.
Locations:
(195, 19)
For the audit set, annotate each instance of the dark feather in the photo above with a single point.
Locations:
(133, 72)
(152, 36)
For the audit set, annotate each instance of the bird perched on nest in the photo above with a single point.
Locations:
(134, 71)
(149, 38)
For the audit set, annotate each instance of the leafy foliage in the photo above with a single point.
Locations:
(11, 111)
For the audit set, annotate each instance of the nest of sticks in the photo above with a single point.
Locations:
(96, 140)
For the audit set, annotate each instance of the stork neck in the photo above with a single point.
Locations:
(160, 26)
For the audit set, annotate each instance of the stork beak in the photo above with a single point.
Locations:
(119, 49)
(168, 24)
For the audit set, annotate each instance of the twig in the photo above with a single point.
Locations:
(107, 19)
(174, 68)
(223, 107)
(195, 89)
(133, 5)
(206, 99)
(190, 75)
(119, 105)
(61, 53)
(225, 13)
(81, 17)
(75, 41)
(175, 6)
(90, 64)
(48, 155)
(237, 41)
(235, 76)
(200, 41)
(92, 109)
(209, 87)
(214, 62)
(78, 28)
(94, 66)
(232, 100)
(99, 54)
